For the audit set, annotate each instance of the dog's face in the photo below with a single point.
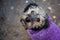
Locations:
(34, 18)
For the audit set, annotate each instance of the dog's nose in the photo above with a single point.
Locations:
(36, 19)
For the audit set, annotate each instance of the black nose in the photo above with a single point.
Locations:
(28, 19)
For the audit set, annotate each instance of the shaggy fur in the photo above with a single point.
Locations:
(33, 11)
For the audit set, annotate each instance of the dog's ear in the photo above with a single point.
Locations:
(22, 21)
(46, 22)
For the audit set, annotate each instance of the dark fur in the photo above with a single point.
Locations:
(28, 6)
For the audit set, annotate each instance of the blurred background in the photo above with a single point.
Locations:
(10, 11)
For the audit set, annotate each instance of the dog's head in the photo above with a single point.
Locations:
(34, 17)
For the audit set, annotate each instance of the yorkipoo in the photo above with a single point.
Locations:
(34, 17)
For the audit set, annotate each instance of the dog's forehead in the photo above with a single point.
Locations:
(35, 9)
(38, 11)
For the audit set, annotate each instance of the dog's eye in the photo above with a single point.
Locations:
(28, 19)
(38, 19)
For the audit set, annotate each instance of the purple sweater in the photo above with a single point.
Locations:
(51, 33)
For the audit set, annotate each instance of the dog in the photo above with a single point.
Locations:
(34, 17)
(36, 21)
